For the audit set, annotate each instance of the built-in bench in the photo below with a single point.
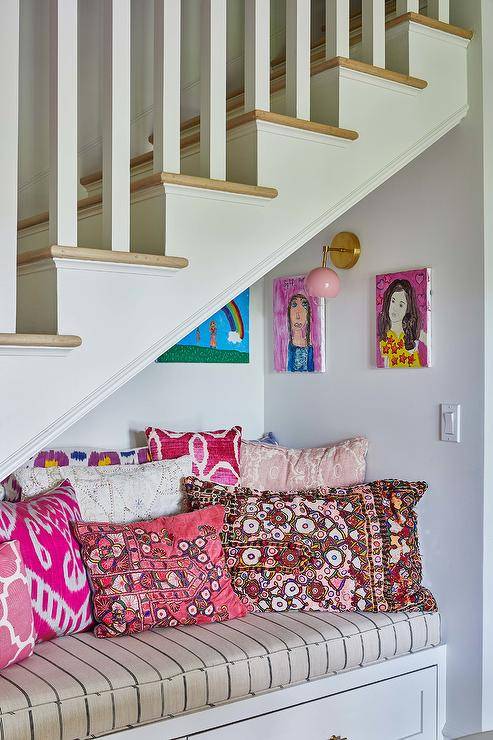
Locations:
(81, 687)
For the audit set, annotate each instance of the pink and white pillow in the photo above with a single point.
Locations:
(275, 468)
(16, 612)
(215, 455)
(57, 577)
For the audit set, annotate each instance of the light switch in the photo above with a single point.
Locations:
(450, 422)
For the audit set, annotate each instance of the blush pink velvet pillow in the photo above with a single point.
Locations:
(59, 588)
(274, 468)
(16, 611)
(159, 573)
(215, 455)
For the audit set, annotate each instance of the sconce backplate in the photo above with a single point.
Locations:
(345, 250)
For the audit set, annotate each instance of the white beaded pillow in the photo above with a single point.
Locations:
(117, 493)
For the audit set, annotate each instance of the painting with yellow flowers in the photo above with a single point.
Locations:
(403, 309)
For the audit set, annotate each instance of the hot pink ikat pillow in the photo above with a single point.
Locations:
(215, 455)
(57, 578)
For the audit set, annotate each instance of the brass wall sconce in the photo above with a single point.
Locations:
(344, 250)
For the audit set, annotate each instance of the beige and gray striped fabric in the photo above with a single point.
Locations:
(80, 687)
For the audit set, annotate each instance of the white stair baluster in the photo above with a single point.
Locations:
(9, 91)
(298, 58)
(406, 6)
(373, 42)
(213, 89)
(336, 28)
(116, 125)
(166, 108)
(439, 9)
(63, 123)
(257, 55)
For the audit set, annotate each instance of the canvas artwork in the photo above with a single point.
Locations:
(299, 327)
(223, 338)
(403, 311)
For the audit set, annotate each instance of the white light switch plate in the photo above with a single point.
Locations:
(450, 422)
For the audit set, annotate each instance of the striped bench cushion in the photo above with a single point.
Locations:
(78, 686)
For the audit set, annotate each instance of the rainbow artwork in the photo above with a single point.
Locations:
(223, 338)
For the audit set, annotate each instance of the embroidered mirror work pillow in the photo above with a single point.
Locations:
(215, 455)
(324, 549)
(158, 573)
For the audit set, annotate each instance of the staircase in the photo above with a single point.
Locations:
(95, 289)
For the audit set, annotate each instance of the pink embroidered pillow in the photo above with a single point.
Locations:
(274, 468)
(215, 455)
(158, 573)
(16, 611)
(60, 592)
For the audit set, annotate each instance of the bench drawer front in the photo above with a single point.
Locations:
(399, 708)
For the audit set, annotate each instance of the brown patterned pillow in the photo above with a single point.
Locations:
(325, 549)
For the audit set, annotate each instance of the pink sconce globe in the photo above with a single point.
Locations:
(322, 282)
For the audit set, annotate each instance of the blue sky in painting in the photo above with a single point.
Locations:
(225, 338)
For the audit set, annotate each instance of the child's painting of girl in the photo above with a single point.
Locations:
(403, 308)
(299, 327)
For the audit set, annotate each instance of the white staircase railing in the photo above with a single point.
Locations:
(116, 109)
(166, 104)
(298, 58)
(63, 182)
(213, 90)
(116, 125)
(9, 93)
(257, 55)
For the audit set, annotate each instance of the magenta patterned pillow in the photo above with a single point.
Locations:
(16, 611)
(275, 468)
(215, 455)
(81, 456)
(60, 592)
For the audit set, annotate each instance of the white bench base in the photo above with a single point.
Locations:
(397, 699)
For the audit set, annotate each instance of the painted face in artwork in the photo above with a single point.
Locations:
(398, 306)
(298, 313)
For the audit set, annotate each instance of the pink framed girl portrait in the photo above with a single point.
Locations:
(403, 319)
(298, 326)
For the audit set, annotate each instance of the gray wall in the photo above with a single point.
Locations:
(428, 215)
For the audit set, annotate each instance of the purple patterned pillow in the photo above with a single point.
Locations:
(82, 456)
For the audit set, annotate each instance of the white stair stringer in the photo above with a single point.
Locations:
(126, 319)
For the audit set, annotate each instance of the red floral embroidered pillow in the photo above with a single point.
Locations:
(326, 549)
(215, 455)
(158, 573)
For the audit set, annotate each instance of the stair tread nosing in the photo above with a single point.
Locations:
(163, 178)
(64, 341)
(101, 255)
